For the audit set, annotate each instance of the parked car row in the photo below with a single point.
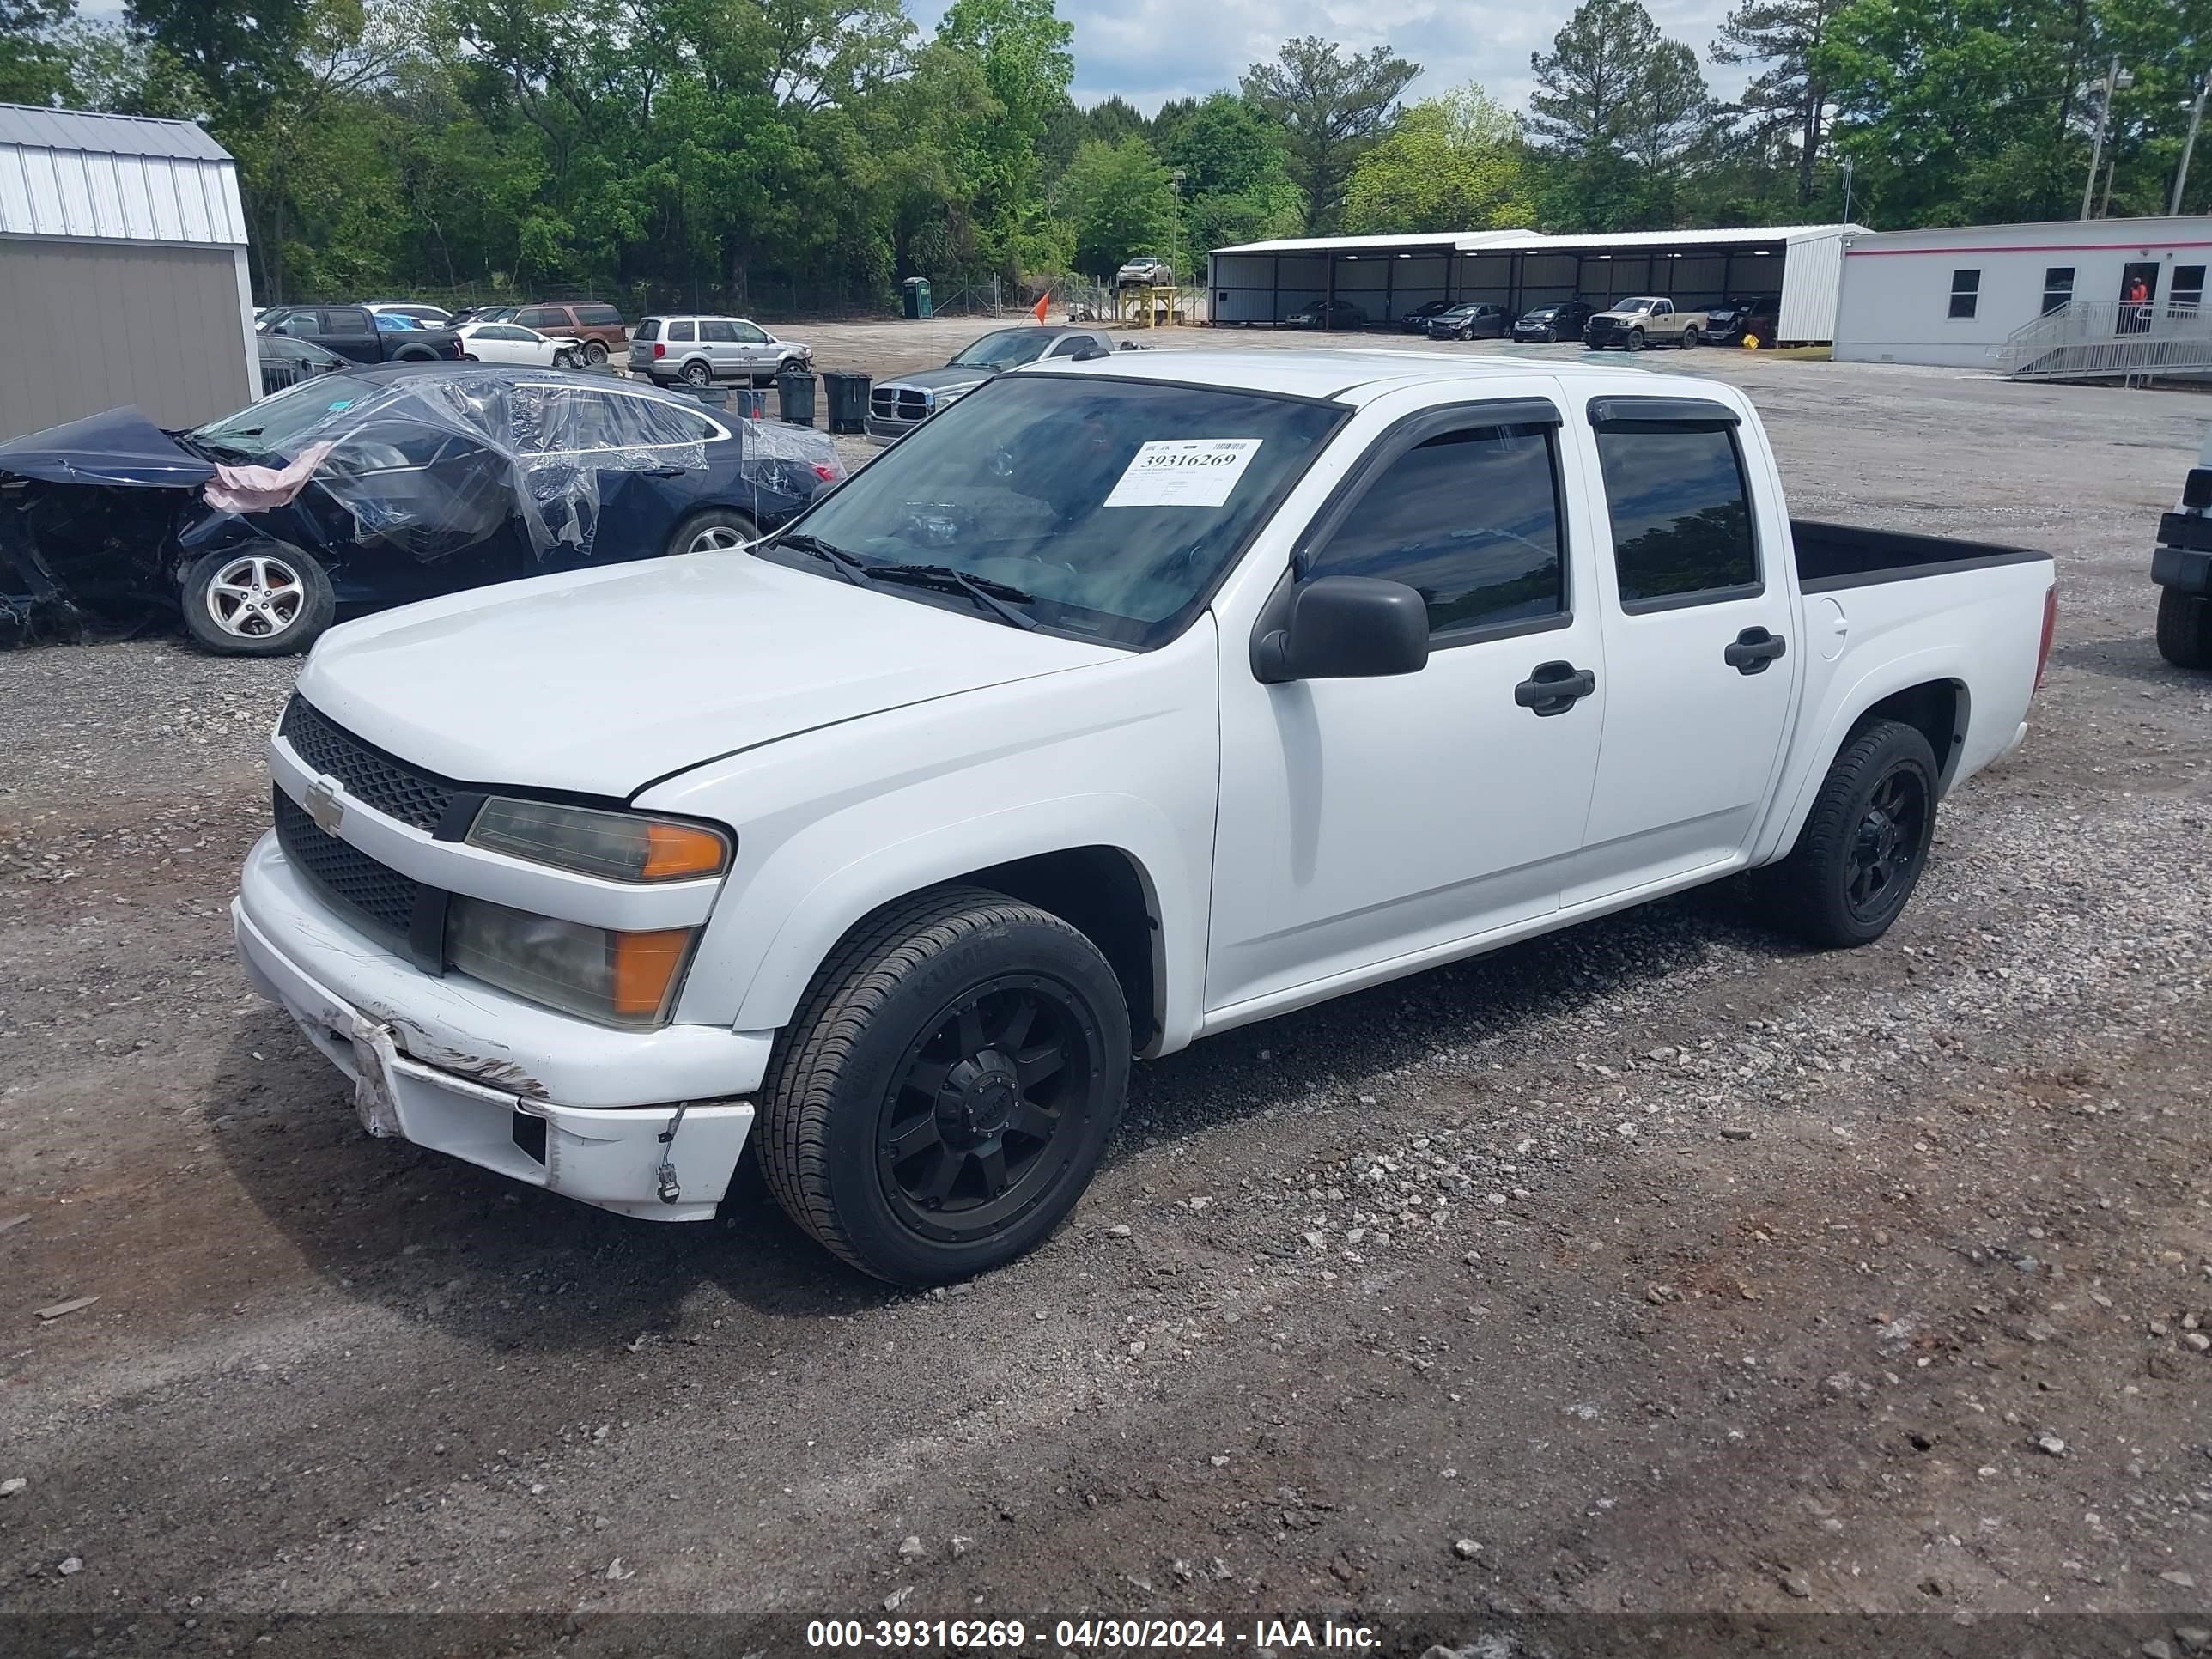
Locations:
(1632, 323)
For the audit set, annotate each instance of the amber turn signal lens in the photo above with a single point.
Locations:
(646, 965)
(672, 850)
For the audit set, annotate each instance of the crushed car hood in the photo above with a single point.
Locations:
(601, 682)
(119, 447)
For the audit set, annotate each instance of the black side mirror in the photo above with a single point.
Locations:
(1343, 627)
(1088, 354)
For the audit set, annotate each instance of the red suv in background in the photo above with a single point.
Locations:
(598, 325)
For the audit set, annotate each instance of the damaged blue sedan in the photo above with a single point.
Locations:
(376, 487)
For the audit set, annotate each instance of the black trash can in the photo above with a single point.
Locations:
(794, 396)
(846, 394)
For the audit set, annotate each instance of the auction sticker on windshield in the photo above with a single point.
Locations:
(1184, 472)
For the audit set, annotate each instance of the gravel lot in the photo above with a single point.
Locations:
(1655, 1268)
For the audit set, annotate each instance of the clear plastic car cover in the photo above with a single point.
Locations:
(431, 463)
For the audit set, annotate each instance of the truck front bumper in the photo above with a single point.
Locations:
(2185, 570)
(458, 1067)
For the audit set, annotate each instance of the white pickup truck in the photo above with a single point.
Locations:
(1123, 704)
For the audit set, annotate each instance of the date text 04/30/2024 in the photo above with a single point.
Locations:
(1089, 1635)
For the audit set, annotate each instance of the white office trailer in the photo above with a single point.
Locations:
(1389, 278)
(123, 267)
(2008, 297)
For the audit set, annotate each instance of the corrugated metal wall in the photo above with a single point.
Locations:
(1811, 282)
(95, 325)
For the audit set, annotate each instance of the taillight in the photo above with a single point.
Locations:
(658, 350)
(826, 472)
(2050, 626)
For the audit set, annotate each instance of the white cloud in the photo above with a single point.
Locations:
(1150, 51)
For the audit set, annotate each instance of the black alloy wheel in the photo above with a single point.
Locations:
(1886, 848)
(977, 1127)
(1864, 846)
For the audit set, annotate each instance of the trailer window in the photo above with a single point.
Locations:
(1681, 514)
(2187, 292)
(2057, 288)
(1966, 293)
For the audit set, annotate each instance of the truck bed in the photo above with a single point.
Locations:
(1836, 556)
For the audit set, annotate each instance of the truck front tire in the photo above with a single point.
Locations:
(1865, 842)
(947, 1088)
(2185, 628)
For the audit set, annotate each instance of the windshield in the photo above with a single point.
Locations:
(1005, 349)
(1641, 303)
(272, 424)
(1112, 505)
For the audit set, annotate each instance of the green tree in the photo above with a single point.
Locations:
(1954, 111)
(1333, 106)
(1235, 175)
(1452, 163)
(1617, 109)
(34, 63)
(1119, 199)
(1786, 104)
(1022, 48)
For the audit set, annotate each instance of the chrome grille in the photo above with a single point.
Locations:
(370, 776)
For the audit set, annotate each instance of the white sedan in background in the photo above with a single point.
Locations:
(511, 342)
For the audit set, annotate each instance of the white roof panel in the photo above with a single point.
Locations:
(1529, 241)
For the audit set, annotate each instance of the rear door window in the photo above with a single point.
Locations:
(1681, 514)
(347, 320)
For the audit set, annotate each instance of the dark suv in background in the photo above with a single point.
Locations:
(1563, 321)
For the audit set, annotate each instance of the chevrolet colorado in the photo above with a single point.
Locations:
(1125, 703)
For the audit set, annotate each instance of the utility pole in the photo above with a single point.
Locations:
(2116, 79)
(2189, 145)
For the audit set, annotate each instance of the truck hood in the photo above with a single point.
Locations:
(602, 682)
(944, 379)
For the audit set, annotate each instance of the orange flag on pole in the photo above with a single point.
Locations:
(1038, 310)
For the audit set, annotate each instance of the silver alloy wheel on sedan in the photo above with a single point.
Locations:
(256, 596)
(717, 538)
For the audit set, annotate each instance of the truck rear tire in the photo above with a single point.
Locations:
(2185, 628)
(947, 1087)
(1865, 842)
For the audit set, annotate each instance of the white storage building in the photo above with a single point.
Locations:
(1956, 296)
(123, 262)
(1388, 277)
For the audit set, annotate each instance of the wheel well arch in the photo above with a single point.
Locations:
(1937, 710)
(1104, 894)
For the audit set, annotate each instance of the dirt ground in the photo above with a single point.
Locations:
(1657, 1268)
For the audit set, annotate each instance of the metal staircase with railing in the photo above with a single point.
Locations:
(2110, 340)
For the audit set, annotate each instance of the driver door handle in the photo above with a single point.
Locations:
(1751, 651)
(1554, 688)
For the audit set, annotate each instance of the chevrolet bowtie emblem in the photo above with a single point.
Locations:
(324, 805)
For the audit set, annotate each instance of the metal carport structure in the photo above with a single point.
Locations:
(1388, 277)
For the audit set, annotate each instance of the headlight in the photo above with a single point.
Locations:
(617, 979)
(619, 845)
